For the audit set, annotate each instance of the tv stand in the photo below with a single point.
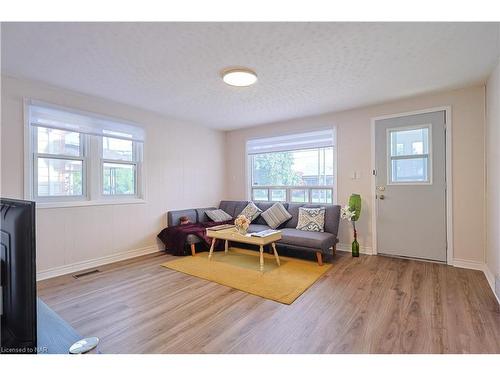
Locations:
(55, 335)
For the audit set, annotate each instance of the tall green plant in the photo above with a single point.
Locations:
(355, 205)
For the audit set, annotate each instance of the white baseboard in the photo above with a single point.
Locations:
(491, 280)
(86, 264)
(469, 264)
(347, 247)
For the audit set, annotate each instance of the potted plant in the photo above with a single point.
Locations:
(351, 212)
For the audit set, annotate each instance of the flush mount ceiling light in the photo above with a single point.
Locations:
(240, 77)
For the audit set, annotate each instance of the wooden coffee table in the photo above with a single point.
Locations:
(232, 234)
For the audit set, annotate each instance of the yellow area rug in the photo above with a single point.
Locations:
(239, 269)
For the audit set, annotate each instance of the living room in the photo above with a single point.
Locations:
(251, 187)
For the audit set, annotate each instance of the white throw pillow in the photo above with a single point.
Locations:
(311, 219)
(251, 211)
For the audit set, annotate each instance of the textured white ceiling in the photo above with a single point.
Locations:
(303, 68)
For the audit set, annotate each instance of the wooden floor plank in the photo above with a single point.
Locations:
(370, 304)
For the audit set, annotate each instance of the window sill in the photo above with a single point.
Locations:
(104, 202)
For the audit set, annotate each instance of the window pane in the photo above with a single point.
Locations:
(410, 142)
(57, 177)
(278, 195)
(321, 196)
(312, 167)
(260, 195)
(299, 196)
(116, 149)
(58, 142)
(410, 170)
(118, 179)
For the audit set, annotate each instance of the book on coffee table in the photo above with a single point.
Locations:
(221, 227)
(264, 233)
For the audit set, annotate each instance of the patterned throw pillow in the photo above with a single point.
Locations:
(276, 215)
(218, 215)
(251, 211)
(311, 219)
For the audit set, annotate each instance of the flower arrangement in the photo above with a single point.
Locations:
(351, 213)
(346, 213)
(242, 223)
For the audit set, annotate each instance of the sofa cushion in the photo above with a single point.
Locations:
(257, 228)
(218, 215)
(332, 216)
(251, 211)
(174, 216)
(202, 216)
(311, 219)
(276, 215)
(293, 208)
(233, 208)
(300, 238)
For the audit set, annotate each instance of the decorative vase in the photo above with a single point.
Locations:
(241, 230)
(355, 248)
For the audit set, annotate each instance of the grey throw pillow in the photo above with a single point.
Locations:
(276, 215)
(311, 219)
(218, 215)
(251, 211)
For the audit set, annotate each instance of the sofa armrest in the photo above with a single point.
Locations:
(173, 217)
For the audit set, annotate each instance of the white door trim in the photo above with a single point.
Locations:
(449, 176)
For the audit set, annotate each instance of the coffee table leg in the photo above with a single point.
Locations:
(261, 249)
(211, 249)
(226, 246)
(276, 254)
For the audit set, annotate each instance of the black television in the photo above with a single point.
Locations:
(18, 305)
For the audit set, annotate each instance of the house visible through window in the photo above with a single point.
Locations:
(59, 163)
(294, 168)
(62, 167)
(409, 156)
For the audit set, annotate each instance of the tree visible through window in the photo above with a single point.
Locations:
(296, 175)
(119, 166)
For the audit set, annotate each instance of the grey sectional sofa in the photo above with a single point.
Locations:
(317, 242)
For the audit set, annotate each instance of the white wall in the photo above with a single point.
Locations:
(493, 175)
(188, 166)
(184, 167)
(354, 154)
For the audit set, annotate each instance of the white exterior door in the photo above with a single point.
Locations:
(410, 183)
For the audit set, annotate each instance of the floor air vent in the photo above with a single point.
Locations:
(83, 274)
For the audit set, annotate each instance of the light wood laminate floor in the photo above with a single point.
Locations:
(370, 304)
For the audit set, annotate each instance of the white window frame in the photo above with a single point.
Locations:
(137, 151)
(35, 155)
(427, 156)
(92, 171)
(308, 188)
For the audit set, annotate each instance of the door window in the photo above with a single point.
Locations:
(409, 157)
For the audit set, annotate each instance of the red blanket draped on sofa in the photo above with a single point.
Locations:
(174, 238)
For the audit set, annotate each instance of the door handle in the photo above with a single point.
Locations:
(381, 196)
